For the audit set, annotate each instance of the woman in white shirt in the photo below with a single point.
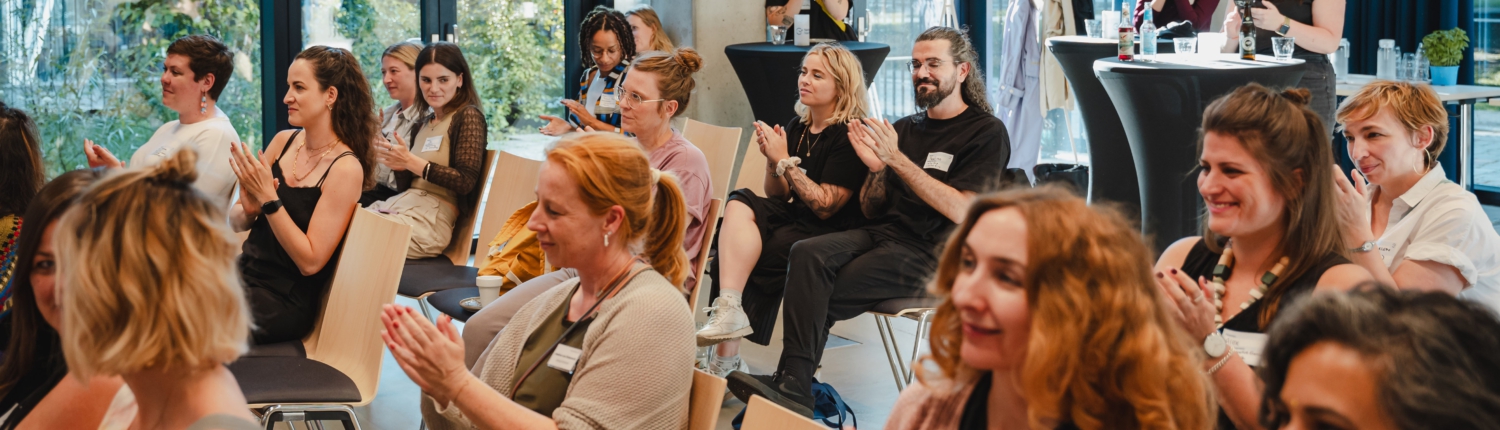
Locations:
(398, 71)
(1429, 232)
(195, 72)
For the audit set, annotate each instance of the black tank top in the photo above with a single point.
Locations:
(1297, 10)
(264, 262)
(1200, 262)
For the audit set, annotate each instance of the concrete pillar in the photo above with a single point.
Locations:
(708, 26)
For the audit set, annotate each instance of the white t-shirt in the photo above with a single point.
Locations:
(210, 137)
(1438, 221)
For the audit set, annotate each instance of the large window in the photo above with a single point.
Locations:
(365, 27)
(91, 69)
(897, 23)
(515, 48)
(1486, 42)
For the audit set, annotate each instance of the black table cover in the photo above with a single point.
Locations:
(768, 73)
(1161, 108)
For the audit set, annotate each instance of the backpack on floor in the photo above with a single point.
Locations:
(828, 407)
(515, 253)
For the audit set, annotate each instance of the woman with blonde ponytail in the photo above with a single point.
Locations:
(575, 355)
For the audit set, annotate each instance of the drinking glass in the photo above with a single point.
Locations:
(1185, 45)
(1094, 27)
(1283, 47)
(1409, 62)
(776, 34)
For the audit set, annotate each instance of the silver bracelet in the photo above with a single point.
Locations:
(1220, 364)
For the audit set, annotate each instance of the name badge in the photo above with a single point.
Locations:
(564, 358)
(608, 101)
(939, 161)
(432, 144)
(161, 152)
(1247, 345)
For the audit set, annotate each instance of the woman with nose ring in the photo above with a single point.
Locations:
(1402, 219)
(194, 74)
(1270, 236)
(438, 166)
(608, 43)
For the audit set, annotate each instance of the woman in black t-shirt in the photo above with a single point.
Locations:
(825, 18)
(812, 183)
(1270, 237)
(1316, 26)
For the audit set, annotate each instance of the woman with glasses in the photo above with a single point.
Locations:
(607, 37)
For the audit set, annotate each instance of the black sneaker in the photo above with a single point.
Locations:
(777, 388)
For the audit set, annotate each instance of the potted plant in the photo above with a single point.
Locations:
(1444, 50)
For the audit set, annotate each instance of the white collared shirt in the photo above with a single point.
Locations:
(398, 122)
(1438, 221)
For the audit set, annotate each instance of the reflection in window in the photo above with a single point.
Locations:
(91, 69)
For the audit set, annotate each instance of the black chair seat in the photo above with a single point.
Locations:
(446, 301)
(894, 306)
(418, 279)
(283, 349)
(292, 380)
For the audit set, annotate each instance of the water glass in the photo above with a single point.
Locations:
(776, 34)
(1094, 27)
(1283, 47)
(1409, 62)
(1185, 45)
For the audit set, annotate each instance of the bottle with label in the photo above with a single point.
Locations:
(1247, 31)
(1127, 41)
(1148, 37)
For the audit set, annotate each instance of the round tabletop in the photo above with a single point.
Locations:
(768, 73)
(1194, 65)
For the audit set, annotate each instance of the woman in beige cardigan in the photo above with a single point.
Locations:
(612, 348)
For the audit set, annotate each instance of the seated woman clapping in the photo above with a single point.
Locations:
(1051, 319)
(611, 348)
(1270, 236)
(1409, 225)
(811, 176)
(149, 293)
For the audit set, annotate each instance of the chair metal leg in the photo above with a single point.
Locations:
(426, 311)
(310, 415)
(916, 346)
(888, 343)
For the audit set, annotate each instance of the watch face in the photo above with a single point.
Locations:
(1214, 345)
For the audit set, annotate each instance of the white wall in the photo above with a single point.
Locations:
(708, 26)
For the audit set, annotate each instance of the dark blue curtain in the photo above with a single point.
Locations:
(1406, 21)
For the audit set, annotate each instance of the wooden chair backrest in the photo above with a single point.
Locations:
(706, 401)
(752, 173)
(715, 207)
(761, 414)
(513, 187)
(719, 145)
(347, 333)
(462, 243)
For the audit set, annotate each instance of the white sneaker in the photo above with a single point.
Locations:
(726, 320)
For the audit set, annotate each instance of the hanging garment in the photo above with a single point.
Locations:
(1056, 20)
(1017, 92)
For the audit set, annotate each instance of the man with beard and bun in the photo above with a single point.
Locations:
(924, 171)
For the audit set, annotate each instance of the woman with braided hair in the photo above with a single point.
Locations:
(607, 39)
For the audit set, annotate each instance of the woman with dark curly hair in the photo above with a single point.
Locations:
(1378, 359)
(1051, 320)
(606, 39)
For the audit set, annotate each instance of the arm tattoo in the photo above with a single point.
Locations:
(823, 199)
(872, 197)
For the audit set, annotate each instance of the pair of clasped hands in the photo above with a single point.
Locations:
(873, 139)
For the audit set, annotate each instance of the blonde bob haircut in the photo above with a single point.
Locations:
(659, 40)
(1416, 106)
(1102, 352)
(147, 275)
(849, 102)
(611, 170)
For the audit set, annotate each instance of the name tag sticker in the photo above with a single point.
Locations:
(432, 144)
(1247, 345)
(938, 160)
(608, 101)
(161, 152)
(564, 358)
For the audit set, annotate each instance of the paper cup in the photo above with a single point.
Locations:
(489, 288)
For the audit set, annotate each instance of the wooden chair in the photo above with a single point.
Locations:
(461, 244)
(762, 414)
(719, 145)
(919, 309)
(706, 401)
(341, 369)
(514, 186)
(715, 207)
(752, 172)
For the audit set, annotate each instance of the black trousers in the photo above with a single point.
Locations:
(838, 276)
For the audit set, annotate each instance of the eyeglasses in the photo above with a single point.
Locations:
(600, 51)
(916, 65)
(633, 99)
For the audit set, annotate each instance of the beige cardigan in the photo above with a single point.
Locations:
(636, 371)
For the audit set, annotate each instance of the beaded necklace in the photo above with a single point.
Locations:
(1222, 272)
(8, 263)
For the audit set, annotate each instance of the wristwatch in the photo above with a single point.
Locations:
(1366, 247)
(1214, 345)
(1286, 26)
(270, 207)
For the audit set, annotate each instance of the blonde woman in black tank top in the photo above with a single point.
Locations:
(298, 207)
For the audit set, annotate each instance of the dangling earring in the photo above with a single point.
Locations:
(330, 107)
(606, 239)
(203, 103)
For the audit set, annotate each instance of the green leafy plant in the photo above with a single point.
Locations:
(1446, 47)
